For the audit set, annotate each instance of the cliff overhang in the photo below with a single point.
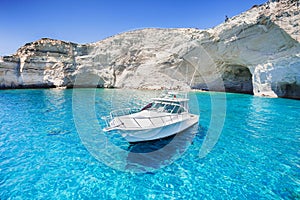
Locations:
(256, 52)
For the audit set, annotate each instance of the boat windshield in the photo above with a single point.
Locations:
(166, 107)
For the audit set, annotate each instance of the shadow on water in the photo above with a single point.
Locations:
(146, 156)
(149, 146)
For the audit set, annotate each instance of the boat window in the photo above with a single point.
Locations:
(180, 110)
(169, 108)
(157, 105)
(175, 110)
(165, 107)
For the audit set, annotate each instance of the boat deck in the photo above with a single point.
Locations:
(146, 119)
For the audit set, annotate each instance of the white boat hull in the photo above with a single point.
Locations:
(162, 117)
(159, 132)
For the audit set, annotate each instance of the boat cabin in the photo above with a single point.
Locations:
(168, 105)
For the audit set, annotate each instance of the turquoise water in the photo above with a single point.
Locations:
(43, 155)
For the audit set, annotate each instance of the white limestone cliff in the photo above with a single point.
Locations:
(255, 52)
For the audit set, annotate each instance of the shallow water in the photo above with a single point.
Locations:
(50, 149)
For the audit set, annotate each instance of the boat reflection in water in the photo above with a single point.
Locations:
(152, 155)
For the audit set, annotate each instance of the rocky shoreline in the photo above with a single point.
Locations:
(256, 52)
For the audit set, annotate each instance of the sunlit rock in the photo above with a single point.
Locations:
(256, 52)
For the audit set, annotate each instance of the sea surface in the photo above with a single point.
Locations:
(52, 147)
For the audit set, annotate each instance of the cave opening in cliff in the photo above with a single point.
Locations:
(237, 78)
(287, 90)
(88, 80)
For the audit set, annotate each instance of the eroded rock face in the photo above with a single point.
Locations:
(44, 63)
(256, 52)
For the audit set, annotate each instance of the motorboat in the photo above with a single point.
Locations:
(162, 117)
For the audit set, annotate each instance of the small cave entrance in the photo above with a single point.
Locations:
(88, 80)
(287, 90)
(237, 78)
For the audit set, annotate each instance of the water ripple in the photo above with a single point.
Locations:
(42, 157)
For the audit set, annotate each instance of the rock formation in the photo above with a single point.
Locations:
(255, 52)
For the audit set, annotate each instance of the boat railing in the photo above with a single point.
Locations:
(121, 112)
(118, 113)
(141, 122)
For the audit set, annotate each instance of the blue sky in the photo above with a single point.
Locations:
(85, 21)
